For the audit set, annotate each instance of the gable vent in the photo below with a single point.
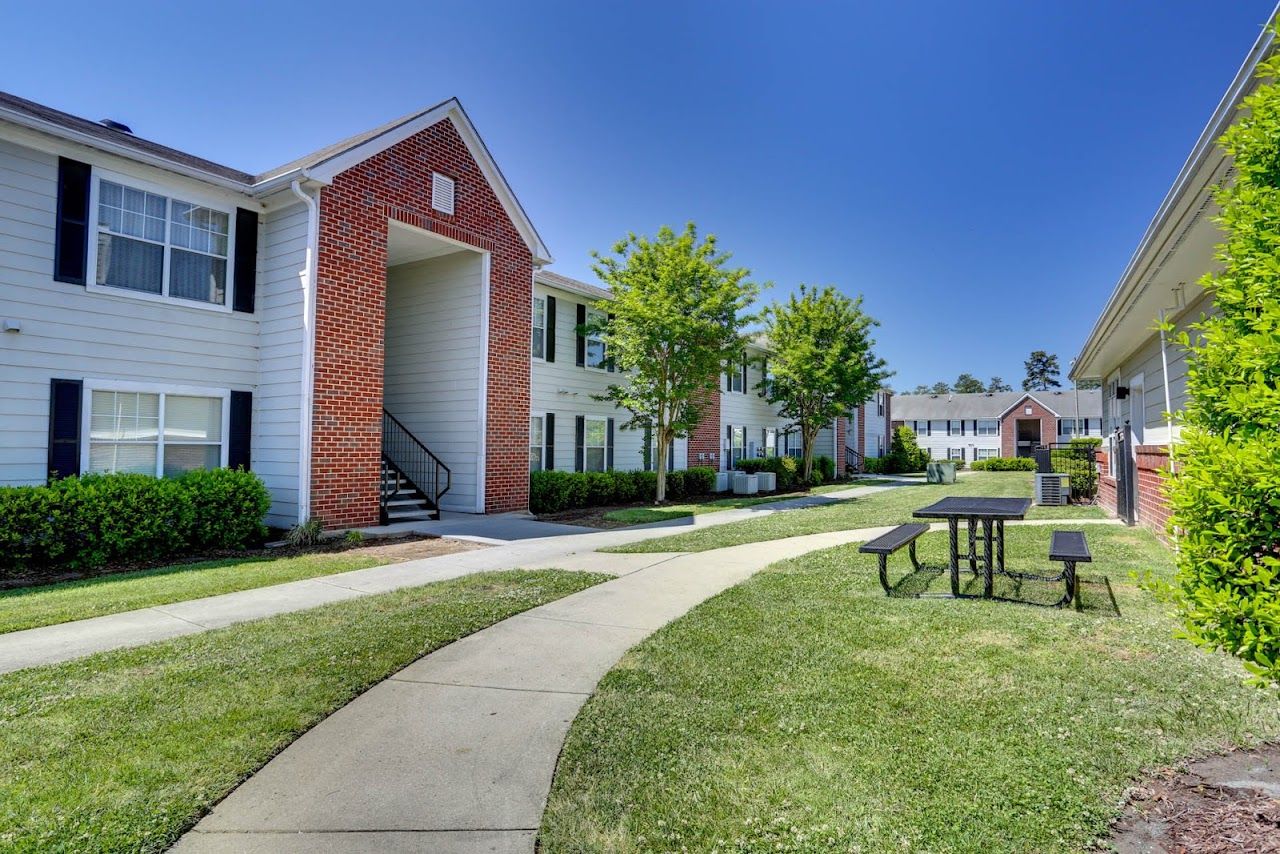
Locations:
(442, 193)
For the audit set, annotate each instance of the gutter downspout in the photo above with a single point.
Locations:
(307, 390)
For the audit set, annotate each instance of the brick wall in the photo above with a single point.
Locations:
(705, 438)
(1009, 426)
(350, 308)
(1153, 507)
(842, 431)
(860, 438)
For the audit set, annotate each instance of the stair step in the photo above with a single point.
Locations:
(410, 515)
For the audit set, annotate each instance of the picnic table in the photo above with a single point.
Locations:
(991, 514)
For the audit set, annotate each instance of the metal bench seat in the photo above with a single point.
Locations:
(1069, 546)
(886, 544)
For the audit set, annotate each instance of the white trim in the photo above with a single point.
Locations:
(306, 388)
(486, 268)
(542, 449)
(98, 175)
(1032, 396)
(540, 357)
(92, 384)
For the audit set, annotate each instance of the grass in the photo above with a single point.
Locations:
(805, 711)
(888, 507)
(125, 750)
(29, 607)
(641, 515)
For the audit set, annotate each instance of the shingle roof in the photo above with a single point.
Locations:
(940, 407)
(555, 280)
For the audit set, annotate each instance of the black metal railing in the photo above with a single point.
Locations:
(409, 458)
(1074, 459)
(853, 460)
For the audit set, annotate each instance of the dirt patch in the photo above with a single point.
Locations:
(395, 551)
(1227, 803)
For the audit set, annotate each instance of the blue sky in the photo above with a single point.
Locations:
(980, 171)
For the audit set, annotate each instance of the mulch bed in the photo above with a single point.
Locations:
(407, 547)
(1228, 803)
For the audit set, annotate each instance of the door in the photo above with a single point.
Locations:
(1028, 436)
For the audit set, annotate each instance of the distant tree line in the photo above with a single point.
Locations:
(1042, 371)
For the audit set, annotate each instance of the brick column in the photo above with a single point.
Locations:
(705, 438)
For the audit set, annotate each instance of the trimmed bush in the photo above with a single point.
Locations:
(905, 454)
(876, 465)
(554, 491)
(86, 522)
(783, 467)
(824, 468)
(1005, 464)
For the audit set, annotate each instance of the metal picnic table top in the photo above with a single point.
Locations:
(959, 506)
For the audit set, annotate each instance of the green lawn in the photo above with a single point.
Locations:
(124, 750)
(884, 508)
(28, 607)
(805, 711)
(641, 515)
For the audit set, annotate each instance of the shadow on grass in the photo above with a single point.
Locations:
(108, 576)
(1093, 592)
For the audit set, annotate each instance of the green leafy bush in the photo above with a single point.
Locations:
(85, 522)
(905, 453)
(1005, 464)
(1225, 494)
(876, 465)
(554, 491)
(784, 468)
(824, 468)
(307, 533)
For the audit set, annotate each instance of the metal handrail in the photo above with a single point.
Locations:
(413, 461)
(853, 459)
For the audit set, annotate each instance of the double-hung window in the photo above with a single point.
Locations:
(988, 427)
(922, 428)
(955, 428)
(595, 354)
(985, 453)
(737, 377)
(537, 442)
(595, 437)
(154, 244)
(955, 453)
(539, 336)
(737, 443)
(158, 433)
(770, 442)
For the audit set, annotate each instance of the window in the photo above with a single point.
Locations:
(955, 453)
(988, 427)
(539, 336)
(154, 432)
(595, 437)
(955, 428)
(985, 453)
(156, 245)
(770, 442)
(879, 403)
(922, 428)
(737, 374)
(537, 441)
(595, 344)
(737, 444)
(442, 193)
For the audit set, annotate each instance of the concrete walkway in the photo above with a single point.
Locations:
(456, 752)
(519, 547)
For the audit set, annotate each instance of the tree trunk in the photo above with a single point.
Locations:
(810, 439)
(660, 494)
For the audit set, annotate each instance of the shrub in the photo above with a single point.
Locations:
(700, 480)
(784, 468)
(1005, 464)
(554, 491)
(824, 468)
(307, 533)
(85, 522)
(353, 538)
(905, 453)
(876, 465)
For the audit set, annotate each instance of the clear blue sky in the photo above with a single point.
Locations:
(980, 171)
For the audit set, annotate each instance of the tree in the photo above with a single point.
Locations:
(1085, 385)
(676, 317)
(998, 384)
(1042, 372)
(920, 389)
(1227, 462)
(940, 388)
(905, 453)
(821, 361)
(968, 384)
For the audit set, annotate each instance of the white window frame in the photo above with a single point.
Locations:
(985, 453)
(770, 442)
(603, 367)
(86, 412)
(915, 425)
(951, 432)
(542, 449)
(171, 194)
(979, 430)
(955, 453)
(879, 403)
(737, 378)
(604, 446)
(541, 355)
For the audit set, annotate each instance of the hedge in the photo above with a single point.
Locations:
(86, 522)
(783, 467)
(554, 491)
(1005, 464)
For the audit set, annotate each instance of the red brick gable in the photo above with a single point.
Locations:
(1009, 425)
(350, 314)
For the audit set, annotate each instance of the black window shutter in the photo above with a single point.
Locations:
(582, 340)
(650, 460)
(245, 272)
(744, 373)
(608, 360)
(728, 379)
(238, 442)
(671, 456)
(764, 378)
(549, 441)
(549, 335)
(64, 428)
(71, 235)
(608, 445)
(579, 437)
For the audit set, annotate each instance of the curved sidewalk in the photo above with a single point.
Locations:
(456, 752)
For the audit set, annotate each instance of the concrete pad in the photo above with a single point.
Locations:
(411, 756)
(51, 644)
(392, 842)
(528, 654)
(217, 611)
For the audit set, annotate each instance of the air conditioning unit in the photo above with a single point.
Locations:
(1052, 489)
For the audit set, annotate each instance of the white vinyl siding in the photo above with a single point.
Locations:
(750, 411)
(74, 332)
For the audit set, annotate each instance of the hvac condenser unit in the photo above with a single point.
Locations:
(1052, 488)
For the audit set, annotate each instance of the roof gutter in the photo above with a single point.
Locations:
(1218, 122)
(307, 384)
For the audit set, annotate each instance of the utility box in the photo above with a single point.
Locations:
(942, 472)
(1052, 489)
(745, 484)
(768, 480)
(723, 481)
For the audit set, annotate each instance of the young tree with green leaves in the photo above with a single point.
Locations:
(968, 384)
(1042, 372)
(920, 389)
(998, 384)
(940, 387)
(821, 361)
(677, 315)
(1225, 494)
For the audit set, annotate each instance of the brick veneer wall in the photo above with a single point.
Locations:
(1153, 506)
(860, 438)
(351, 289)
(705, 438)
(842, 431)
(1009, 426)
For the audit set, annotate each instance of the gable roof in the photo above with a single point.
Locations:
(987, 405)
(321, 165)
(564, 283)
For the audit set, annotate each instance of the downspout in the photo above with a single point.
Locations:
(307, 390)
(1168, 402)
